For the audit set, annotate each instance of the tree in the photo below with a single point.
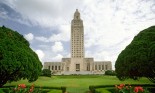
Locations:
(138, 58)
(17, 60)
(46, 72)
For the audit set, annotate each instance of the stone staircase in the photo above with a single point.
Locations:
(80, 73)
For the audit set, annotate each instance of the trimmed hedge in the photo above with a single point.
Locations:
(4, 90)
(111, 88)
(45, 89)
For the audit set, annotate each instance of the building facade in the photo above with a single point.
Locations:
(78, 64)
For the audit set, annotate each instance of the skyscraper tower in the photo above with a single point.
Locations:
(77, 36)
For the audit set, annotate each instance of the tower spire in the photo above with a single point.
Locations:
(77, 14)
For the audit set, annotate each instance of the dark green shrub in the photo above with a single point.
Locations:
(4, 90)
(1, 91)
(46, 72)
(110, 72)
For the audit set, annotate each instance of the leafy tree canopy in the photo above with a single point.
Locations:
(138, 58)
(17, 60)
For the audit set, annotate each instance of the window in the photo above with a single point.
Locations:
(95, 67)
(88, 66)
(106, 67)
(67, 68)
(55, 67)
(102, 67)
(99, 67)
(52, 67)
(49, 67)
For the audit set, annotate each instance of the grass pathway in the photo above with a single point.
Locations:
(77, 90)
(74, 87)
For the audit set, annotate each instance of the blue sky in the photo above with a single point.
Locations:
(109, 25)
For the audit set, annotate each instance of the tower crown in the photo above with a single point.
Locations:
(76, 14)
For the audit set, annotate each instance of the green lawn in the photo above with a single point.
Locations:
(79, 84)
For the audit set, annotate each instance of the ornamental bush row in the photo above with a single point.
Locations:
(149, 88)
(22, 88)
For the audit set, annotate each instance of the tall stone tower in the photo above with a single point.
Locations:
(77, 43)
(77, 36)
(78, 64)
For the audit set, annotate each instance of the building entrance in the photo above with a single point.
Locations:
(77, 67)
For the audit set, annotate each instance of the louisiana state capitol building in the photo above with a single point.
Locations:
(78, 64)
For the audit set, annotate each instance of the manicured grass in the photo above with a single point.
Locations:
(80, 83)
(103, 90)
(55, 91)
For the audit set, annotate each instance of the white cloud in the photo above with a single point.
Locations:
(3, 14)
(45, 13)
(40, 54)
(43, 39)
(68, 55)
(58, 57)
(62, 35)
(109, 25)
(57, 47)
(29, 36)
